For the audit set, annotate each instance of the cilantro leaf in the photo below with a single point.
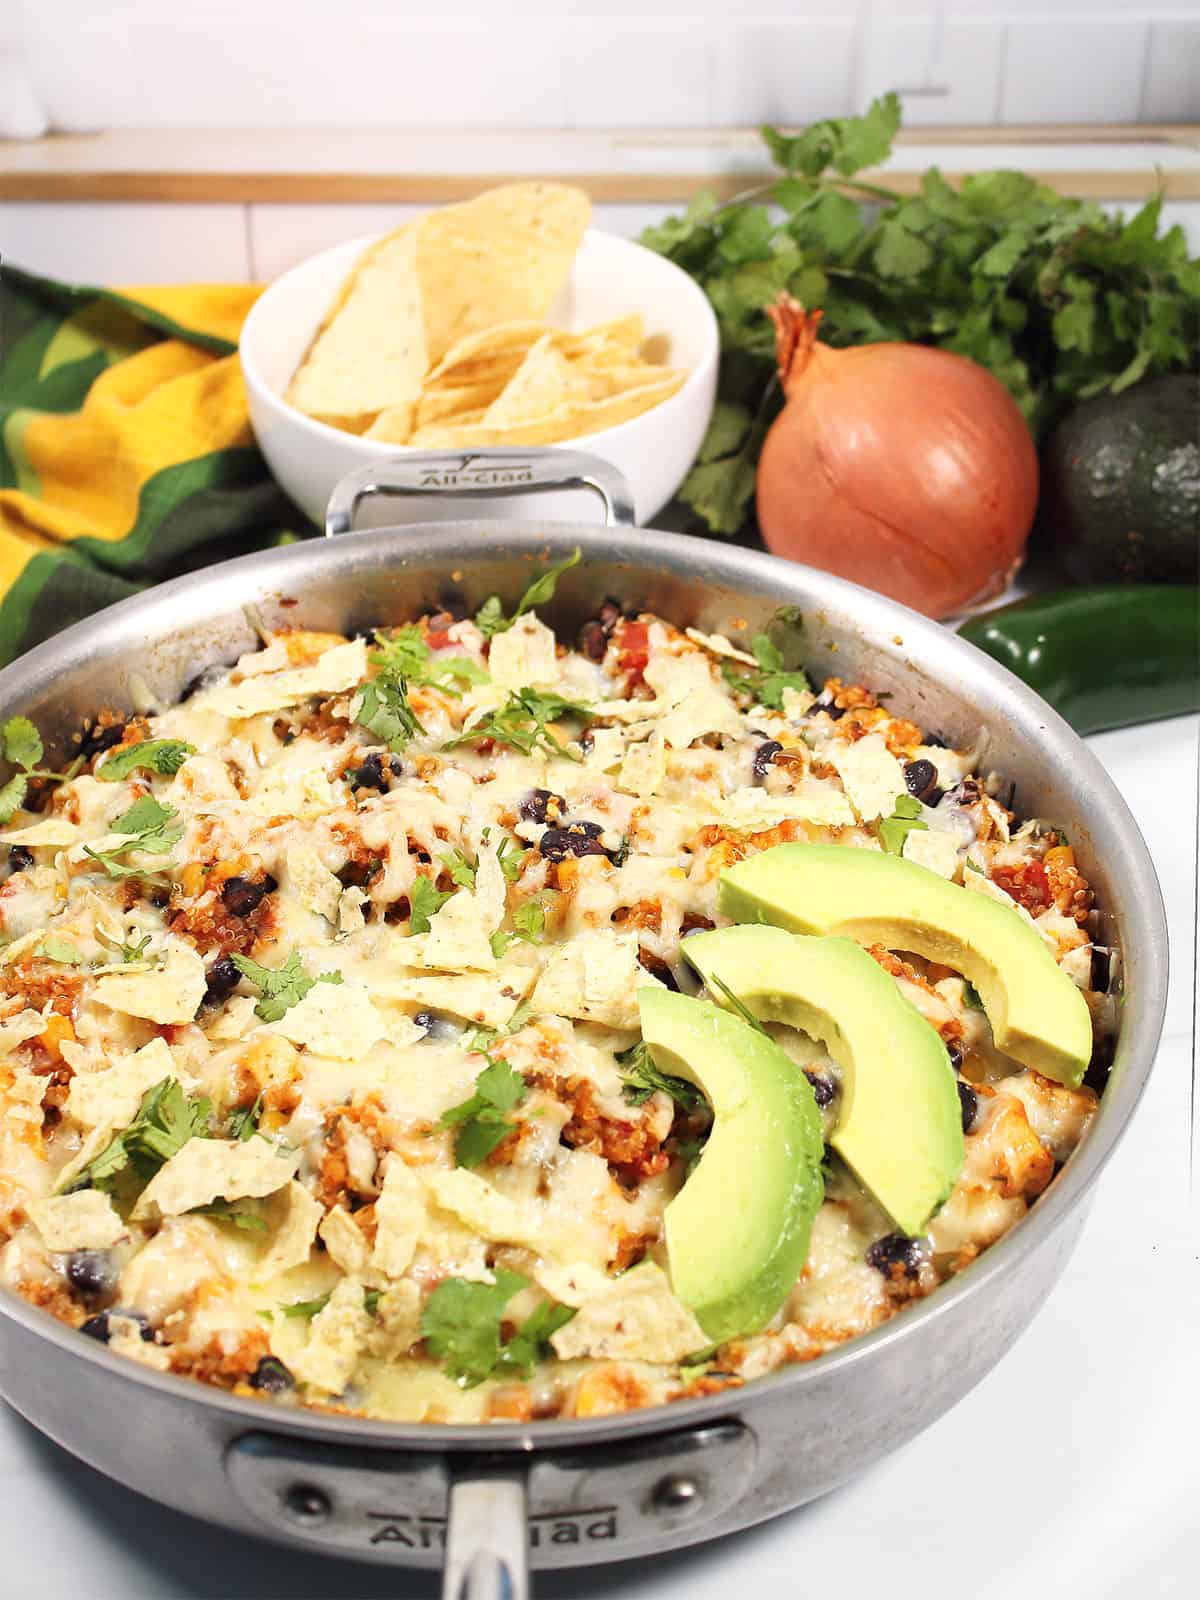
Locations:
(127, 950)
(243, 1123)
(512, 859)
(490, 618)
(905, 819)
(282, 987)
(54, 948)
(150, 826)
(22, 743)
(381, 706)
(847, 144)
(237, 1217)
(521, 723)
(766, 686)
(461, 1324)
(641, 1079)
(164, 756)
(424, 900)
(165, 1121)
(12, 796)
(529, 921)
(460, 869)
(482, 1121)
(405, 654)
(307, 1308)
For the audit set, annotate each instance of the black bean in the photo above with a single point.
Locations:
(359, 874)
(763, 757)
(920, 778)
(97, 1327)
(370, 775)
(968, 1102)
(577, 839)
(19, 858)
(593, 641)
(610, 614)
(934, 741)
(823, 1087)
(436, 1026)
(538, 803)
(895, 1255)
(242, 895)
(658, 968)
(92, 1273)
(1101, 968)
(97, 739)
(955, 1052)
(271, 1376)
(223, 979)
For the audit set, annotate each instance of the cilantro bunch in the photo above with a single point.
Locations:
(1055, 297)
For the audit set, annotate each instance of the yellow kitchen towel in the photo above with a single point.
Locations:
(126, 455)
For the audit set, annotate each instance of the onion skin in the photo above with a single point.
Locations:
(907, 469)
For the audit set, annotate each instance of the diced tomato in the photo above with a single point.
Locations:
(632, 640)
(1026, 883)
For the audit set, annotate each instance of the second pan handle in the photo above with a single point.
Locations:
(481, 475)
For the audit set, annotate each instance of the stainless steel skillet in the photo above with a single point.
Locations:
(488, 1499)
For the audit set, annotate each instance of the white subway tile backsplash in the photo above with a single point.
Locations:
(787, 72)
(650, 76)
(282, 235)
(1086, 70)
(946, 74)
(127, 244)
(1172, 92)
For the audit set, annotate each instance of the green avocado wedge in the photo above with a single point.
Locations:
(1037, 1015)
(900, 1122)
(737, 1232)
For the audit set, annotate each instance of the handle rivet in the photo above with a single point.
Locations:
(676, 1493)
(306, 1503)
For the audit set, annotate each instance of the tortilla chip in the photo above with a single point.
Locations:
(511, 339)
(452, 404)
(370, 352)
(544, 381)
(499, 258)
(571, 420)
(359, 424)
(395, 424)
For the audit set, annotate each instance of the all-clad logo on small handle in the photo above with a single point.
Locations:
(474, 472)
(546, 1528)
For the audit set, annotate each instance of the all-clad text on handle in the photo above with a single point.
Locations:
(481, 475)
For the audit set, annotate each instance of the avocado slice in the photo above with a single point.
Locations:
(737, 1232)
(900, 1123)
(1037, 1014)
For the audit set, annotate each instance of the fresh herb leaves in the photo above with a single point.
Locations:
(424, 899)
(235, 1216)
(243, 1123)
(905, 819)
(164, 756)
(482, 1121)
(1056, 297)
(381, 706)
(307, 1308)
(405, 654)
(282, 987)
(522, 723)
(461, 871)
(55, 948)
(766, 686)
(461, 1324)
(165, 1121)
(490, 618)
(22, 745)
(126, 950)
(641, 1079)
(150, 826)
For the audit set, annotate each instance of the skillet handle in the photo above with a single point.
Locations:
(482, 475)
(487, 1546)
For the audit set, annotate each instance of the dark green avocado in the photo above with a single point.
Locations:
(1120, 497)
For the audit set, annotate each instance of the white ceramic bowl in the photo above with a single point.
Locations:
(610, 277)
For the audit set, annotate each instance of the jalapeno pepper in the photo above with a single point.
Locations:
(1103, 657)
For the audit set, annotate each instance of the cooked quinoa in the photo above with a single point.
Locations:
(321, 1018)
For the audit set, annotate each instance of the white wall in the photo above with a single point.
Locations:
(271, 63)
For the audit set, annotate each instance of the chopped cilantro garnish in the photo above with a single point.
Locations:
(490, 618)
(381, 706)
(307, 1308)
(150, 826)
(529, 921)
(766, 685)
(243, 1123)
(127, 950)
(642, 1079)
(460, 869)
(482, 1120)
(740, 1006)
(512, 859)
(405, 653)
(164, 756)
(424, 900)
(22, 745)
(461, 1323)
(165, 1121)
(223, 1211)
(521, 723)
(905, 819)
(282, 987)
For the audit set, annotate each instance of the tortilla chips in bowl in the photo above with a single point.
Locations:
(503, 321)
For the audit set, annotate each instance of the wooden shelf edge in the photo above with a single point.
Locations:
(613, 188)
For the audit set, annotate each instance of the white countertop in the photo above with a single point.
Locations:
(1070, 1472)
